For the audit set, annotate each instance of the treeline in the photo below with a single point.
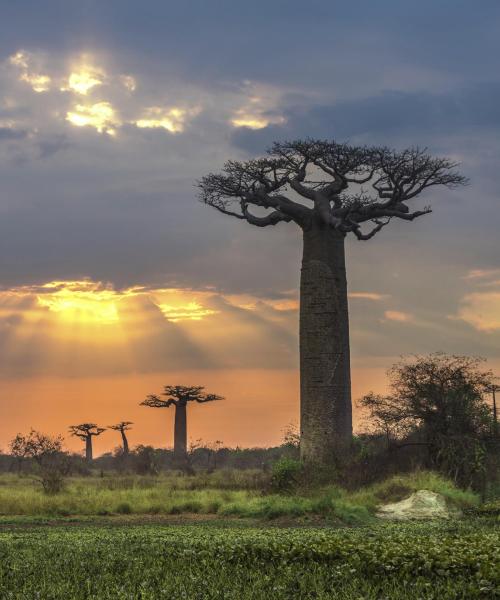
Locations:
(44, 458)
(437, 415)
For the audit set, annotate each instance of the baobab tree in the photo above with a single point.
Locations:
(329, 190)
(179, 396)
(86, 431)
(122, 427)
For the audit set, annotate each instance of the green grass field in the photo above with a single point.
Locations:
(224, 536)
(445, 561)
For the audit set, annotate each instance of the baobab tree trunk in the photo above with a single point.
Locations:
(125, 443)
(325, 380)
(180, 432)
(88, 448)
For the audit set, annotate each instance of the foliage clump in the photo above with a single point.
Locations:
(50, 462)
(436, 402)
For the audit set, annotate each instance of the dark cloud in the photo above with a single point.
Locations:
(6, 133)
(387, 117)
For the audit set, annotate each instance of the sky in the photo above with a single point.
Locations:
(115, 280)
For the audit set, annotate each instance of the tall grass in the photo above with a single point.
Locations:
(225, 493)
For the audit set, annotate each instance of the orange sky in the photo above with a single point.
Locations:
(259, 405)
(82, 351)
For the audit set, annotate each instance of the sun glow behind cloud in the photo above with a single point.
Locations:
(82, 301)
(89, 90)
(87, 327)
(192, 311)
(245, 117)
(102, 116)
(84, 80)
(172, 119)
(92, 302)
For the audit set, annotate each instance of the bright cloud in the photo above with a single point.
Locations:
(23, 62)
(481, 310)
(86, 327)
(254, 116)
(128, 82)
(192, 311)
(172, 119)
(84, 80)
(259, 109)
(102, 116)
(245, 118)
(368, 296)
(96, 306)
(399, 316)
(87, 92)
(94, 302)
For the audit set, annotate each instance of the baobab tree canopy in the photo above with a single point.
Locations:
(343, 186)
(179, 394)
(329, 190)
(85, 430)
(121, 426)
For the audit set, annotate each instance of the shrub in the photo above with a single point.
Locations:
(285, 475)
(124, 508)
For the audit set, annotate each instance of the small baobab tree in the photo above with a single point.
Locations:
(179, 396)
(329, 190)
(86, 431)
(122, 427)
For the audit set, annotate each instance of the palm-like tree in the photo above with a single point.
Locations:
(122, 427)
(179, 396)
(86, 431)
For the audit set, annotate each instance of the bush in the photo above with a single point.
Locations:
(285, 475)
(52, 481)
(124, 508)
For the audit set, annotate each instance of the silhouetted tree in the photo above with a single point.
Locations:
(179, 396)
(122, 427)
(437, 401)
(86, 431)
(329, 190)
(52, 464)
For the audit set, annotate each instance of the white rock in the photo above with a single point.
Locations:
(420, 505)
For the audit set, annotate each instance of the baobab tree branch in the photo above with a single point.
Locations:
(272, 218)
(367, 236)
(154, 401)
(394, 179)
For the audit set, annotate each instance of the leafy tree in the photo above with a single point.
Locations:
(46, 452)
(204, 453)
(122, 427)
(179, 396)
(146, 460)
(86, 431)
(437, 401)
(329, 190)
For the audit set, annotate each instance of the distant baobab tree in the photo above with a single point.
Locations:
(86, 431)
(329, 190)
(179, 396)
(122, 427)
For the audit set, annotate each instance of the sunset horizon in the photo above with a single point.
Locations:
(115, 280)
